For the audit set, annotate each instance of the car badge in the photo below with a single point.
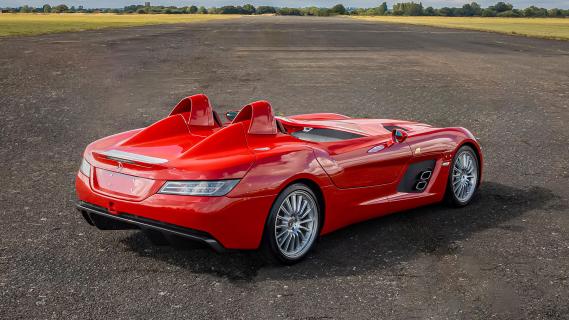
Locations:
(119, 167)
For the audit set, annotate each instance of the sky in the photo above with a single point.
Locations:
(564, 4)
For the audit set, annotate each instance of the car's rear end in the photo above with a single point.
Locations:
(176, 179)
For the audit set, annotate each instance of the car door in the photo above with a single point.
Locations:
(369, 161)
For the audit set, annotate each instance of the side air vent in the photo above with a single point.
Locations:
(417, 177)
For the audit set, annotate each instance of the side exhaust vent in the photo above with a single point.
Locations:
(417, 176)
(424, 177)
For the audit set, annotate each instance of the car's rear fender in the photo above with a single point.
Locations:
(277, 167)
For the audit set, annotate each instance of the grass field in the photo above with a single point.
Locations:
(550, 28)
(34, 24)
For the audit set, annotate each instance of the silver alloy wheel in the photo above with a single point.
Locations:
(296, 224)
(464, 176)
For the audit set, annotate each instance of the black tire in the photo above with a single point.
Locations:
(156, 237)
(269, 246)
(451, 198)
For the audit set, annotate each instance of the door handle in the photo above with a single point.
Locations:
(376, 149)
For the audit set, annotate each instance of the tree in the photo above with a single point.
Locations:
(26, 9)
(46, 8)
(249, 9)
(310, 11)
(202, 10)
(408, 9)
(61, 8)
(476, 9)
(472, 9)
(338, 9)
(466, 10)
(429, 11)
(554, 12)
(319, 12)
(371, 12)
(228, 10)
(289, 11)
(534, 11)
(382, 9)
(323, 12)
(266, 10)
(192, 9)
(501, 7)
(488, 12)
(445, 12)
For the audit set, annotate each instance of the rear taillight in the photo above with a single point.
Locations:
(85, 168)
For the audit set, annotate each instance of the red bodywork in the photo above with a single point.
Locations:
(355, 181)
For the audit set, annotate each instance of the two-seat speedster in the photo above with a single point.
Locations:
(276, 183)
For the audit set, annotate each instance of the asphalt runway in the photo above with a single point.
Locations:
(506, 256)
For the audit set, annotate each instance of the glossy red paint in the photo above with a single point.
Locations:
(357, 178)
(260, 118)
(196, 110)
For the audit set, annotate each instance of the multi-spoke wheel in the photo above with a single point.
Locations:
(293, 224)
(463, 177)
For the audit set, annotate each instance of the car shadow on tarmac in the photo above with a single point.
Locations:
(372, 245)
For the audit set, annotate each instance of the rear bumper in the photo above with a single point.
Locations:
(221, 222)
(102, 219)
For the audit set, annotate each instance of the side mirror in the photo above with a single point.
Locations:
(398, 135)
(230, 115)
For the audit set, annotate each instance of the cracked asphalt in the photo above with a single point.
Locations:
(505, 256)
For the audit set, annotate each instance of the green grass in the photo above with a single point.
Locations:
(549, 28)
(34, 24)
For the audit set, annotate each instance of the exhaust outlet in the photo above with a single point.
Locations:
(423, 180)
(426, 175)
(421, 185)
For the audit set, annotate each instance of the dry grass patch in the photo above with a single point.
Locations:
(549, 28)
(34, 24)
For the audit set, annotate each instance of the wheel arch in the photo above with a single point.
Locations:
(315, 187)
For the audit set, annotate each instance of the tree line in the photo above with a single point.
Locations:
(500, 9)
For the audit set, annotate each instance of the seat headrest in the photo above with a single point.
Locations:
(260, 113)
(197, 111)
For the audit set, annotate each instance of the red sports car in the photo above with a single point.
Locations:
(275, 183)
